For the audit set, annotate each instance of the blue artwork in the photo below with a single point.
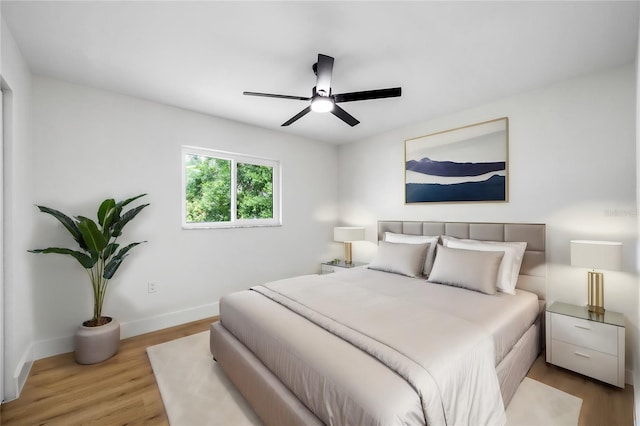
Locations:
(462, 165)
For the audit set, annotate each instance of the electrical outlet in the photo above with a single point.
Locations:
(152, 287)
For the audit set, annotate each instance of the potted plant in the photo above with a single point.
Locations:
(101, 255)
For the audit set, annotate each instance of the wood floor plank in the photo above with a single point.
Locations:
(123, 390)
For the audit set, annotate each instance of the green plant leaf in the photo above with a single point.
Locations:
(126, 248)
(128, 200)
(113, 265)
(94, 256)
(68, 223)
(87, 262)
(126, 218)
(93, 238)
(109, 250)
(106, 212)
(119, 206)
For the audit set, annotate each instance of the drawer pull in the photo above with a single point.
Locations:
(582, 355)
(582, 327)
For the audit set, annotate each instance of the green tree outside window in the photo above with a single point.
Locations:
(209, 195)
(254, 191)
(208, 189)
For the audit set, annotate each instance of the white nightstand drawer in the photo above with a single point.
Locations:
(587, 334)
(585, 361)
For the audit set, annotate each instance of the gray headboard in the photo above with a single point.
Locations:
(533, 273)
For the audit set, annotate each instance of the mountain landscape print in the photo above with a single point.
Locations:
(468, 164)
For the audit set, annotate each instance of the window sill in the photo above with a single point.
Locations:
(229, 226)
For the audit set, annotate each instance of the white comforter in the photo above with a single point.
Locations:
(448, 360)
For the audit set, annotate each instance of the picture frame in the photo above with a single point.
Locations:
(466, 164)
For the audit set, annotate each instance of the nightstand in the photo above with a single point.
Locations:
(330, 267)
(585, 342)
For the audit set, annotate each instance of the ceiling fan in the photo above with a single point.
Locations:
(322, 100)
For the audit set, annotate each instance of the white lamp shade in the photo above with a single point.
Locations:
(605, 255)
(348, 233)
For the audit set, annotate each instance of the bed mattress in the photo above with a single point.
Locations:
(321, 370)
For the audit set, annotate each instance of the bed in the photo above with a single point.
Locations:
(368, 346)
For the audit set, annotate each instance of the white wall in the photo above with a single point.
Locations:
(91, 144)
(18, 216)
(572, 166)
(636, 351)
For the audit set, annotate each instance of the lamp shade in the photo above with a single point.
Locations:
(348, 233)
(605, 255)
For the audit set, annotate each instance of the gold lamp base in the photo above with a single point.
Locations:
(596, 292)
(347, 253)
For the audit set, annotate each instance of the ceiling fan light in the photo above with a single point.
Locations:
(321, 104)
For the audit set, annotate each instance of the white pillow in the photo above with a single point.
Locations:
(471, 269)
(417, 239)
(511, 262)
(398, 258)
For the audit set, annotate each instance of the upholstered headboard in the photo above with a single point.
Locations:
(533, 273)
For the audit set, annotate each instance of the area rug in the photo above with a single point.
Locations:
(196, 392)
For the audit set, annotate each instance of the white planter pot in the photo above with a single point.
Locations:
(96, 344)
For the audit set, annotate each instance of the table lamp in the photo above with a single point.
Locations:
(596, 255)
(347, 234)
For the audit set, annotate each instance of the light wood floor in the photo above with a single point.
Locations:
(119, 391)
(123, 391)
(602, 404)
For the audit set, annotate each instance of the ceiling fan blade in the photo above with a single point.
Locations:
(297, 116)
(368, 94)
(271, 95)
(324, 70)
(344, 116)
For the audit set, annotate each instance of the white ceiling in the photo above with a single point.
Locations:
(202, 55)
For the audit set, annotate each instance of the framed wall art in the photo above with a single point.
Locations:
(467, 164)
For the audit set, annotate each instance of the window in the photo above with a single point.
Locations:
(224, 190)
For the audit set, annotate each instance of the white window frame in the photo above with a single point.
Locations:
(235, 158)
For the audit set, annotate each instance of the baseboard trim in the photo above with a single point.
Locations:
(51, 347)
(158, 322)
(21, 373)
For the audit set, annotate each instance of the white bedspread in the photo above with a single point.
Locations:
(447, 359)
